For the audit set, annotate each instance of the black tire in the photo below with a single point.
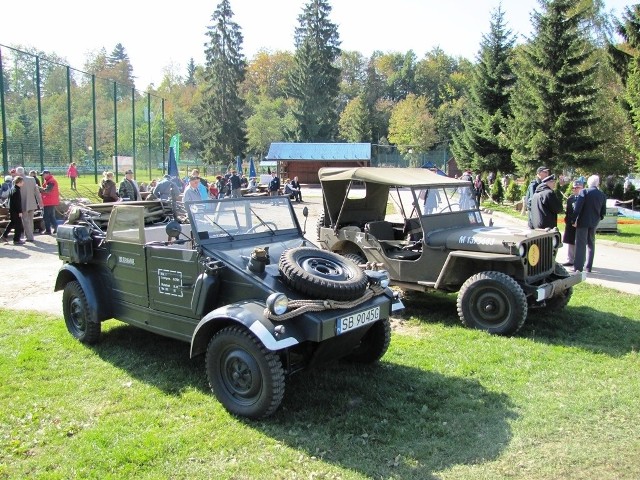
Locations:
(493, 302)
(322, 274)
(77, 313)
(355, 258)
(246, 378)
(557, 303)
(373, 345)
(319, 224)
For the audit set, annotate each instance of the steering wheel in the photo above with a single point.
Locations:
(267, 225)
(449, 207)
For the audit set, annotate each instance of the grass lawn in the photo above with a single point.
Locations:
(559, 400)
(628, 230)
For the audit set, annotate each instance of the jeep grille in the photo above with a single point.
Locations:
(545, 264)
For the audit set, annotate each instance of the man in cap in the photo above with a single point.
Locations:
(541, 173)
(192, 192)
(545, 205)
(129, 189)
(50, 200)
(589, 209)
(569, 236)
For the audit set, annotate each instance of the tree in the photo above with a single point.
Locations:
(355, 125)
(314, 80)
(553, 103)
(191, 73)
(223, 127)
(268, 124)
(480, 143)
(411, 126)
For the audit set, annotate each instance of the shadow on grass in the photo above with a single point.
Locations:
(383, 420)
(575, 326)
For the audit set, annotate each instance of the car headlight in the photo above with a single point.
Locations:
(556, 241)
(521, 250)
(277, 303)
(378, 277)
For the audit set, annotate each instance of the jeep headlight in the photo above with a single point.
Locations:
(378, 277)
(522, 250)
(556, 241)
(277, 303)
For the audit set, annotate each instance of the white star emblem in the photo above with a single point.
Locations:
(359, 237)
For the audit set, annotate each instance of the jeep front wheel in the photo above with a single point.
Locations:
(322, 274)
(373, 345)
(244, 376)
(492, 301)
(76, 311)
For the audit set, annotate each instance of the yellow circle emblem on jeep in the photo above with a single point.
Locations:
(533, 255)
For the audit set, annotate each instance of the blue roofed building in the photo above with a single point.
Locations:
(303, 160)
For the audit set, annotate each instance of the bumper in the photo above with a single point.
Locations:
(551, 289)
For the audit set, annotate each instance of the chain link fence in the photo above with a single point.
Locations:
(52, 115)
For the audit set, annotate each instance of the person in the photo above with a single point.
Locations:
(15, 213)
(287, 188)
(50, 200)
(297, 191)
(72, 173)
(431, 197)
(108, 191)
(5, 188)
(467, 176)
(31, 201)
(491, 178)
(541, 173)
(569, 235)
(505, 181)
(203, 188)
(589, 209)
(234, 182)
(478, 189)
(244, 181)
(162, 190)
(128, 189)
(253, 185)
(545, 205)
(34, 174)
(274, 185)
(220, 185)
(192, 192)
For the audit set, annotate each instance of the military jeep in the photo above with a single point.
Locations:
(239, 282)
(439, 241)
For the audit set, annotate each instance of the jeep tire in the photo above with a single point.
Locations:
(373, 345)
(322, 274)
(493, 302)
(76, 311)
(244, 376)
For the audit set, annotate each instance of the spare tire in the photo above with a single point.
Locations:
(322, 274)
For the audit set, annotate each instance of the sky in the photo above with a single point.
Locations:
(161, 35)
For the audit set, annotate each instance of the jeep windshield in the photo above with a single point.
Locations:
(236, 218)
(444, 200)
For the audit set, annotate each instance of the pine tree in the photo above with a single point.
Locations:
(555, 95)
(480, 144)
(223, 126)
(314, 80)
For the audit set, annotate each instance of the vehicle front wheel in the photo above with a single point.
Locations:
(244, 376)
(77, 314)
(493, 302)
(373, 345)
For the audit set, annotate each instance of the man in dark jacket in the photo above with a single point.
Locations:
(15, 213)
(569, 236)
(589, 209)
(545, 205)
(541, 174)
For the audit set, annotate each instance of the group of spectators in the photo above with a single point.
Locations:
(585, 208)
(24, 194)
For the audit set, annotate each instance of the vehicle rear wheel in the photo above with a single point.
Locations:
(322, 274)
(557, 303)
(373, 345)
(320, 224)
(77, 313)
(244, 376)
(493, 302)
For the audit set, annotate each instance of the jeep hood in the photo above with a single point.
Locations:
(482, 239)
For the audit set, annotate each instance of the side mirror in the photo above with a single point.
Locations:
(305, 212)
(173, 229)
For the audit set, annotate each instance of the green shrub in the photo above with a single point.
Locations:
(497, 192)
(513, 193)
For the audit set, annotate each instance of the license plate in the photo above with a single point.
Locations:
(357, 320)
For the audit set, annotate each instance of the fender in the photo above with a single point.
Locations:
(250, 315)
(92, 285)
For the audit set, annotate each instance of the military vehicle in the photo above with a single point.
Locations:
(238, 281)
(439, 241)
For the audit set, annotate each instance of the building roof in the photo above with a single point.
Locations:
(319, 151)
